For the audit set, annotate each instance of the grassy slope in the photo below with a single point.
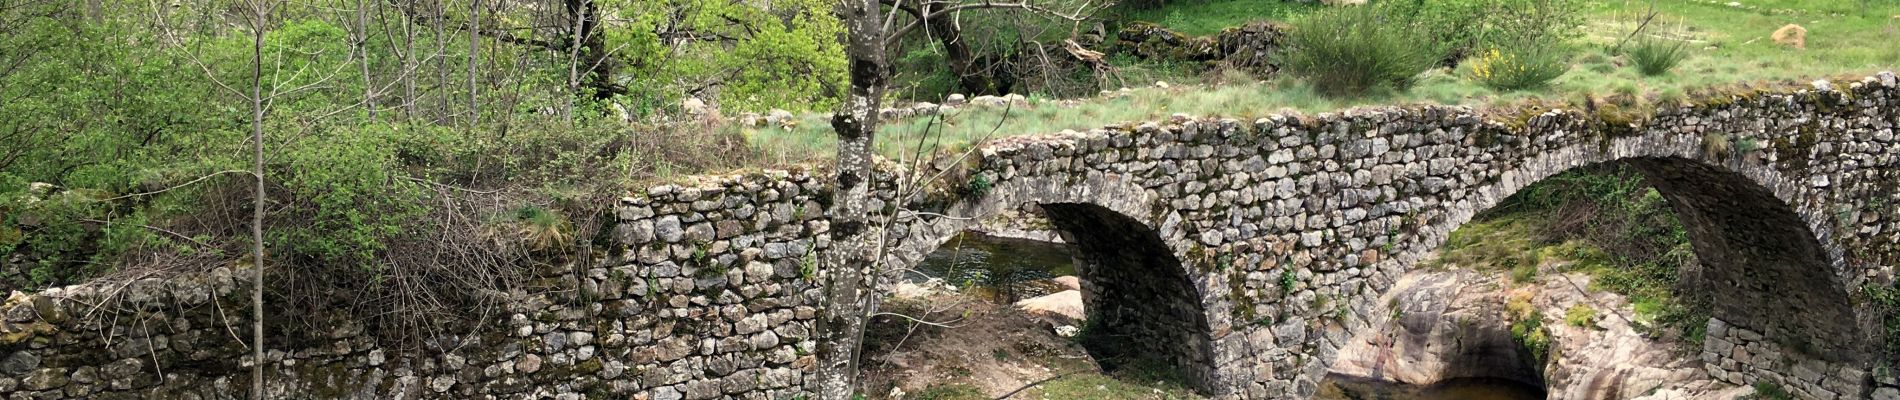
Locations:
(1732, 48)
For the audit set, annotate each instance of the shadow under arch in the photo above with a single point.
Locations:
(1763, 266)
(1766, 270)
(1143, 309)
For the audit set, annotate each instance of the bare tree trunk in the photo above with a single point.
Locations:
(589, 48)
(474, 40)
(964, 61)
(574, 56)
(441, 59)
(851, 273)
(362, 54)
(409, 63)
(257, 206)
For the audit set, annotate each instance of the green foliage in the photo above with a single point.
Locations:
(348, 183)
(808, 265)
(1885, 302)
(1452, 29)
(1520, 65)
(1350, 51)
(1141, 380)
(785, 56)
(918, 74)
(1530, 333)
(1581, 316)
(1527, 328)
(1768, 390)
(1611, 224)
(1524, 271)
(1207, 17)
(542, 229)
(1656, 56)
(978, 186)
(1287, 279)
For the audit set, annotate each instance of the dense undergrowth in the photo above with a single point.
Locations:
(127, 155)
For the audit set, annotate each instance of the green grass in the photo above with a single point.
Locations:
(1492, 244)
(1102, 387)
(1581, 316)
(1727, 46)
(1765, 390)
(1207, 17)
(954, 391)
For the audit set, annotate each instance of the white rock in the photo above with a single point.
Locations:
(777, 116)
(1067, 330)
(1069, 282)
(1065, 304)
(694, 106)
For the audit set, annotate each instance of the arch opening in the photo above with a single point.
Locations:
(1143, 310)
(1739, 257)
(1117, 300)
(1762, 266)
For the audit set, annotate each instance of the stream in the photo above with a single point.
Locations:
(1338, 387)
(997, 268)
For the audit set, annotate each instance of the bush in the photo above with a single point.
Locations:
(1353, 50)
(1655, 56)
(1454, 28)
(1524, 66)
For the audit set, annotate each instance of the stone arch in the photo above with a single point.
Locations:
(1766, 253)
(1137, 285)
(1142, 305)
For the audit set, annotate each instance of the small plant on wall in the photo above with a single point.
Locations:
(978, 186)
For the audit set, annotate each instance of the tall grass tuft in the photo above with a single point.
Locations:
(1656, 56)
(1523, 65)
(1349, 51)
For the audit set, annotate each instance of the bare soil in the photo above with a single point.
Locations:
(993, 348)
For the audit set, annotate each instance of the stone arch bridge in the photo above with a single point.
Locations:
(1188, 231)
(1243, 253)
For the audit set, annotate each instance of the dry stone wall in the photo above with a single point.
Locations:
(1243, 253)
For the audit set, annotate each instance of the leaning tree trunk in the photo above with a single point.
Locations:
(964, 62)
(590, 57)
(851, 273)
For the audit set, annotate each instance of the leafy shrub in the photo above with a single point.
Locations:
(1454, 28)
(1529, 65)
(1353, 50)
(1654, 56)
(1447, 28)
(1528, 330)
(978, 186)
